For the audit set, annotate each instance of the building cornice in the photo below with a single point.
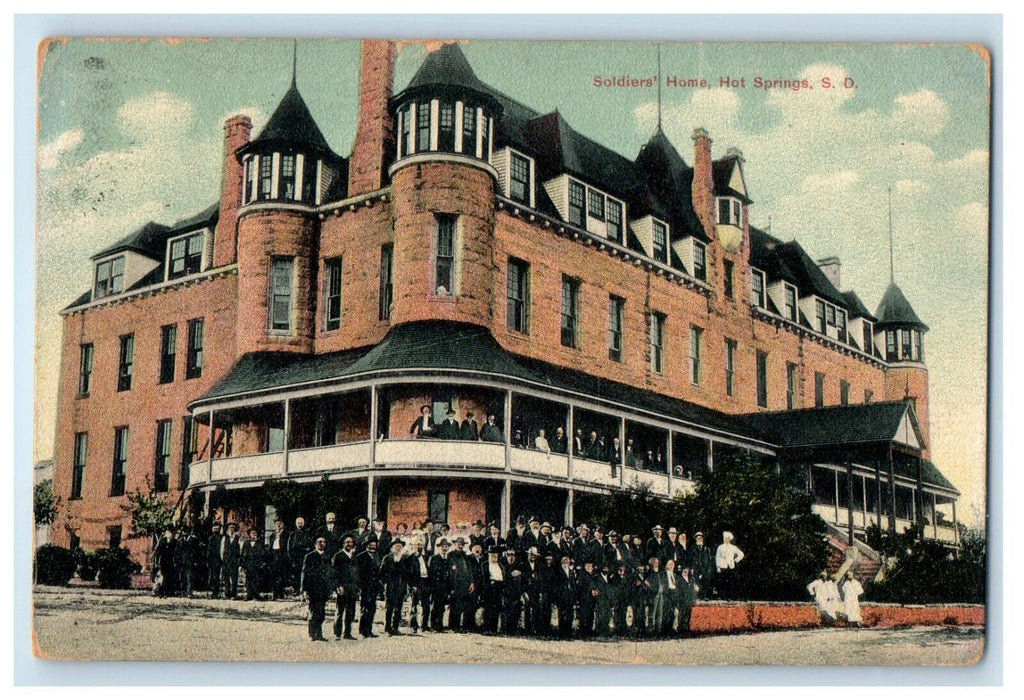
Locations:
(157, 288)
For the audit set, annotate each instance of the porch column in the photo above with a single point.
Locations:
(956, 526)
(572, 439)
(892, 493)
(864, 499)
(878, 494)
(569, 497)
(935, 517)
(849, 504)
(506, 505)
(508, 430)
(371, 498)
(209, 457)
(670, 461)
(373, 427)
(622, 453)
(711, 455)
(835, 481)
(919, 495)
(287, 435)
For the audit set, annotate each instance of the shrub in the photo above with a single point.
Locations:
(115, 568)
(86, 564)
(54, 565)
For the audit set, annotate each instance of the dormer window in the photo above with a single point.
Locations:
(819, 308)
(423, 127)
(790, 309)
(577, 202)
(520, 187)
(109, 277)
(869, 337)
(730, 211)
(266, 184)
(185, 255)
(841, 325)
(757, 295)
(469, 130)
(615, 221)
(700, 264)
(286, 187)
(595, 204)
(250, 181)
(661, 242)
(446, 128)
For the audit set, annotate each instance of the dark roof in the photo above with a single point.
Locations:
(291, 125)
(721, 173)
(789, 261)
(831, 425)
(149, 240)
(932, 475)
(894, 309)
(447, 66)
(669, 191)
(856, 307)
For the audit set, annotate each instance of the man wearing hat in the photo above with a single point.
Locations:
(477, 564)
(597, 547)
(254, 561)
(393, 577)
(346, 587)
(423, 427)
(606, 598)
(565, 544)
(449, 428)
(316, 585)
(702, 561)
(532, 591)
(494, 586)
(440, 585)
(614, 552)
(548, 583)
(368, 565)
(214, 547)
(545, 537)
(674, 550)
(581, 547)
(462, 587)
(477, 535)
(656, 545)
(515, 533)
(559, 443)
(512, 596)
(494, 539)
(470, 429)
(564, 595)
(491, 432)
(332, 533)
(531, 538)
(418, 575)
(687, 597)
(232, 560)
(299, 545)
(727, 556)
(620, 591)
(587, 594)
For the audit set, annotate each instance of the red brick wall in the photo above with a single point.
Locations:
(408, 503)
(236, 134)
(262, 235)
(212, 299)
(375, 137)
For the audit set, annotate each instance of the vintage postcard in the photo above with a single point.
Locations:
(530, 352)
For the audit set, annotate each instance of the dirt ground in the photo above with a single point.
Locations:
(90, 624)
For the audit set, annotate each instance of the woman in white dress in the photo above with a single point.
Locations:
(541, 442)
(852, 591)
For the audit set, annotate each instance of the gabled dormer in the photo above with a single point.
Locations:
(121, 266)
(731, 200)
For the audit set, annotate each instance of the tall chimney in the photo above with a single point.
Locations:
(830, 266)
(375, 135)
(703, 183)
(237, 130)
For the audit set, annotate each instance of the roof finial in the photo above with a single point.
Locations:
(659, 86)
(769, 223)
(892, 269)
(295, 59)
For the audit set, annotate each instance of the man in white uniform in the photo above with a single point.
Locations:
(727, 556)
(824, 598)
(852, 591)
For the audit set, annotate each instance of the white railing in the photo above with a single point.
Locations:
(538, 462)
(657, 482)
(441, 453)
(594, 472)
(248, 467)
(314, 459)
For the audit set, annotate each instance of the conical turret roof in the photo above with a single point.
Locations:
(447, 66)
(894, 309)
(292, 125)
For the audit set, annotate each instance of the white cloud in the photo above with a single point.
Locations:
(49, 154)
(910, 187)
(154, 117)
(831, 182)
(922, 112)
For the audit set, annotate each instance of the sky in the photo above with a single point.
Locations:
(131, 131)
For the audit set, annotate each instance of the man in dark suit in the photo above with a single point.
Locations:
(615, 554)
(187, 546)
(702, 563)
(491, 432)
(564, 595)
(586, 595)
(368, 566)
(477, 536)
(656, 546)
(346, 587)
(606, 599)
(494, 575)
(449, 428)
(565, 548)
(300, 542)
(423, 427)
(615, 456)
(515, 533)
(253, 561)
(621, 582)
(530, 538)
(512, 596)
(548, 584)
(673, 593)
(332, 533)
(362, 534)
(581, 547)
(440, 585)
(594, 450)
(164, 565)
(418, 576)
(232, 560)
(579, 445)
(533, 599)
(470, 429)
(316, 584)
(214, 562)
(463, 587)
(494, 539)
(280, 567)
(559, 442)
(394, 579)
(477, 562)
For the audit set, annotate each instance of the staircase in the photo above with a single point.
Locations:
(865, 562)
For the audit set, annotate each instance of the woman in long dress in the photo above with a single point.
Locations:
(852, 591)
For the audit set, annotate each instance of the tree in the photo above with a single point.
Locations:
(46, 504)
(285, 496)
(150, 514)
(769, 513)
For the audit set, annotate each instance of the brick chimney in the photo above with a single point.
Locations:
(830, 266)
(703, 183)
(375, 136)
(237, 130)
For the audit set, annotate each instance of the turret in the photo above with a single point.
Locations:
(900, 333)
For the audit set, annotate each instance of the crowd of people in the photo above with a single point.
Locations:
(532, 581)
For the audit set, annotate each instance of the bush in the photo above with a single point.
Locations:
(54, 565)
(86, 564)
(115, 568)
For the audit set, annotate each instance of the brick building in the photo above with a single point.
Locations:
(473, 255)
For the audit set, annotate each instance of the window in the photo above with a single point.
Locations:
(78, 466)
(729, 269)
(890, 346)
(286, 185)
(518, 295)
(114, 534)
(762, 379)
(830, 315)
(868, 395)
(615, 309)
(109, 278)
(905, 344)
(444, 259)
(730, 211)
(266, 176)
(120, 467)
(757, 292)
(387, 286)
(124, 371)
(446, 127)
(85, 369)
(405, 143)
(189, 447)
(841, 324)
(790, 385)
(250, 180)
(570, 311)
(614, 222)
(700, 266)
(577, 200)
(162, 467)
(186, 256)
(310, 189)
(194, 364)
(469, 130)
(519, 187)
(730, 367)
(423, 127)
(819, 389)
(437, 506)
(332, 294)
(869, 338)
(485, 137)
(281, 294)
(844, 392)
(790, 302)
(660, 242)
(657, 342)
(696, 340)
(918, 346)
(595, 204)
(168, 353)
(819, 309)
